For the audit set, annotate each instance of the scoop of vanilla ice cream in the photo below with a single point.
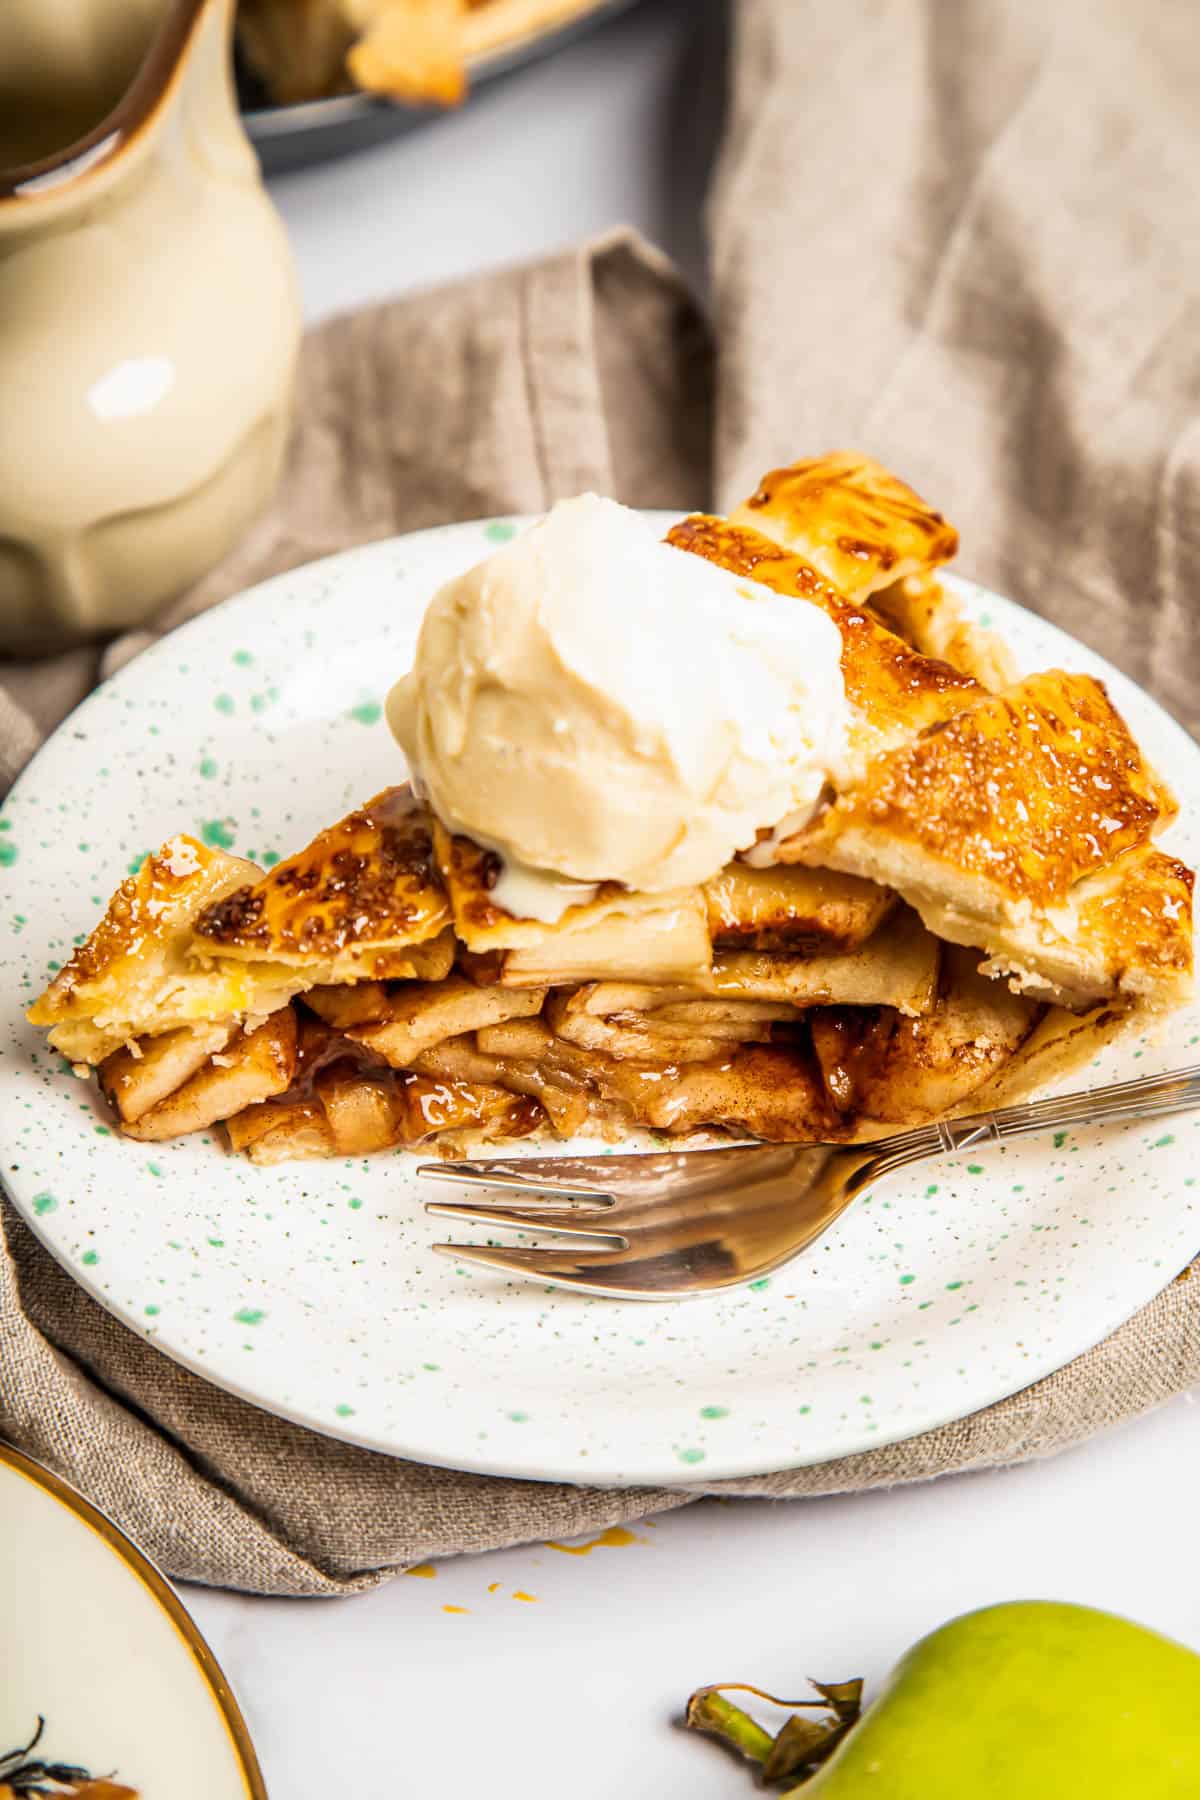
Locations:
(593, 703)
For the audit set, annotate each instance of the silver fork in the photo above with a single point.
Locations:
(667, 1224)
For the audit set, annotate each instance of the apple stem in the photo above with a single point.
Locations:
(709, 1711)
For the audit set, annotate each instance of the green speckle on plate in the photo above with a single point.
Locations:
(8, 855)
(716, 1386)
(43, 1204)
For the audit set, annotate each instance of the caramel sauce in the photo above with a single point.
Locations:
(370, 878)
(418, 1105)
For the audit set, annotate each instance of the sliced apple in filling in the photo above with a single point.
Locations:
(564, 1099)
(527, 1039)
(653, 1037)
(877, 1064)
(897, 967)
(769, 1091)
(136, 1077)
(654, 937)
(770, 909)
(659, 937)
(354, 1114)
(254, 1067)
(424, 1013)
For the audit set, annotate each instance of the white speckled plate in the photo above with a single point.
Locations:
(311, 1289)
(97, 1642)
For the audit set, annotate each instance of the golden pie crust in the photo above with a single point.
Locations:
(976, 907)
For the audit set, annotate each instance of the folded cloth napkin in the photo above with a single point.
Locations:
(962, 236)
(887, 275)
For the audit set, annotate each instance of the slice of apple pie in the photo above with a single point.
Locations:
(969, 901)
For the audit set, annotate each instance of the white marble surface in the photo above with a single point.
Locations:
(575, 1690)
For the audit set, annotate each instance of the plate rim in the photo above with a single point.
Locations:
(162, 1592)
(720, 1470)
(263, 124)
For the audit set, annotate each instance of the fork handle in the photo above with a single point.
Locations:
(1153, 1096)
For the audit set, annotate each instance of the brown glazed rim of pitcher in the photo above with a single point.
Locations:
(128, 119)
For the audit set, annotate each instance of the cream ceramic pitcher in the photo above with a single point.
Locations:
(148, 329)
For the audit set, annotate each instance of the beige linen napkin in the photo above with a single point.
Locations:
(594, 369)
(962, 235)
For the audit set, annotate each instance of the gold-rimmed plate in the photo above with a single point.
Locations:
(96, 1641)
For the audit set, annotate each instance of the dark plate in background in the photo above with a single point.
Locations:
(290, 137)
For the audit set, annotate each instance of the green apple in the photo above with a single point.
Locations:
(1034, 1700)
